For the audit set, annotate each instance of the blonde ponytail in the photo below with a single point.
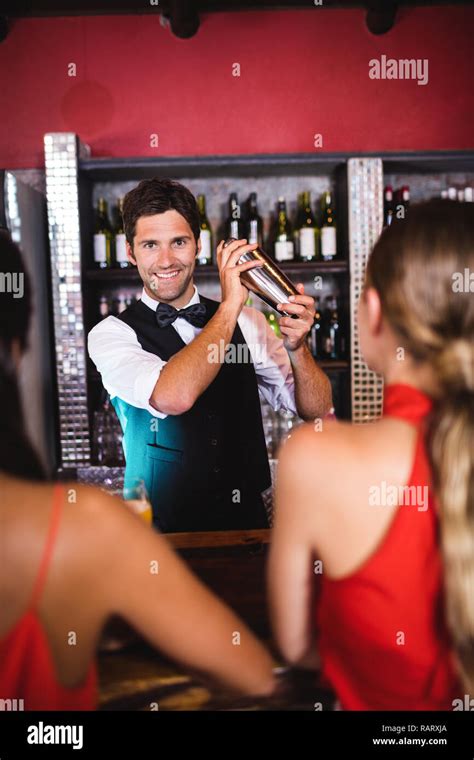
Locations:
(450, 445)
(413, 267)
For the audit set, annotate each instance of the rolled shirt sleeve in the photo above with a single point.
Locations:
(271, 361)
(127, 370)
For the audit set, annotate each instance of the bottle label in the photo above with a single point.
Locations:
(100, 248)
(307, 243)
(234, 229)
(120, 249)
(205, 255)
(284, 250)
(328, 242)
(253, 231)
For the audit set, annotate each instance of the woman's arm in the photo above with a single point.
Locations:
(291, 571)
(154, 591)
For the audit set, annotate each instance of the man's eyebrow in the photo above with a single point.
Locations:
(153, 240)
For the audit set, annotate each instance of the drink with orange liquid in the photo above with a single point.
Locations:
(136, 497)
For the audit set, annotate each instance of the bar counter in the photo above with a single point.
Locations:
(134, 676)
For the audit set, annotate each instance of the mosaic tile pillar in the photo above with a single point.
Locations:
(365, 213)
(62, 150)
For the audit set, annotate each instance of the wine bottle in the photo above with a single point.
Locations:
(254, 221)
(308, 232)
(121, 259)
(298, 223)
(315, 335)
(103, 307)
(387, 206)
(284, 248)
(331, 335)
(328, 227)
(102, 236)
(205, 254)
(402, 202)
(234, 226)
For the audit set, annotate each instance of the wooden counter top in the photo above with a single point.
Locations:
(232, 564)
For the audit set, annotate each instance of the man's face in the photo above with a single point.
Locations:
(164, 250)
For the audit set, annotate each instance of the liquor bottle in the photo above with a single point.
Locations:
(103, 307)
(234, 226)
(452, 193)
(308, 232)
(315, 334)
(468, 195)
(254, 221)
(298, 224)
(205, 254)
(328, 227)
(387, 206)
(121, 259)
(402, 202)
(284, 247)
(330, 327)
(102, 236)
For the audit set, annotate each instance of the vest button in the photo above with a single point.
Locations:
(217, 469)
(214, 441)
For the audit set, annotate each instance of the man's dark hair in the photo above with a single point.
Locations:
(155, 196)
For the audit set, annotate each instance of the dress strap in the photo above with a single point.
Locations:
(58, 499)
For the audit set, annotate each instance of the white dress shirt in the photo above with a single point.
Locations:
(131, 373)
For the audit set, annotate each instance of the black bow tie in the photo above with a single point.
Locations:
(195, 314)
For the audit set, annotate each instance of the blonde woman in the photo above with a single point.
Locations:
(388, 508)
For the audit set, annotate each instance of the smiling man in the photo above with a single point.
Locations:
(192, 426)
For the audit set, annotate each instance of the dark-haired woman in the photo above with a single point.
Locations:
(395, 534)
(72, 556)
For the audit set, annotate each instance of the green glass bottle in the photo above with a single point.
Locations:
(103, 237)
(205, 255)
(284, 244)
(272, 320)
(121, 259)
(308, 230)
(328, 227)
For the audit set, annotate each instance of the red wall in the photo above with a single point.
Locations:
(302, 72)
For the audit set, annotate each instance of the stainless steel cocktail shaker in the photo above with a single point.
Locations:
(268, 282)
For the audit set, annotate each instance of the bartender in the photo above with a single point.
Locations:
(190, 412)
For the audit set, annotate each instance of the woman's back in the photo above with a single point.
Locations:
(383, 640)
(73, 557)
(378, 621)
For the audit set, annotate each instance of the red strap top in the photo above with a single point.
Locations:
(27, 670)
(382, 637)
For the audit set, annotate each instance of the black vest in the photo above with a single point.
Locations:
(205, 469)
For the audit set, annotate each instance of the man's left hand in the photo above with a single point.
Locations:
(296, 330)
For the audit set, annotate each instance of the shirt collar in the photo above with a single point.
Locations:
(152, 303)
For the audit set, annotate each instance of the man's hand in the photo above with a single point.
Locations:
(233, 292)
(296, 330)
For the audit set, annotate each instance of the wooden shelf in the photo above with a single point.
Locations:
(300, 267)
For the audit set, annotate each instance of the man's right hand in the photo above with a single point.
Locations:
(233, 292)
